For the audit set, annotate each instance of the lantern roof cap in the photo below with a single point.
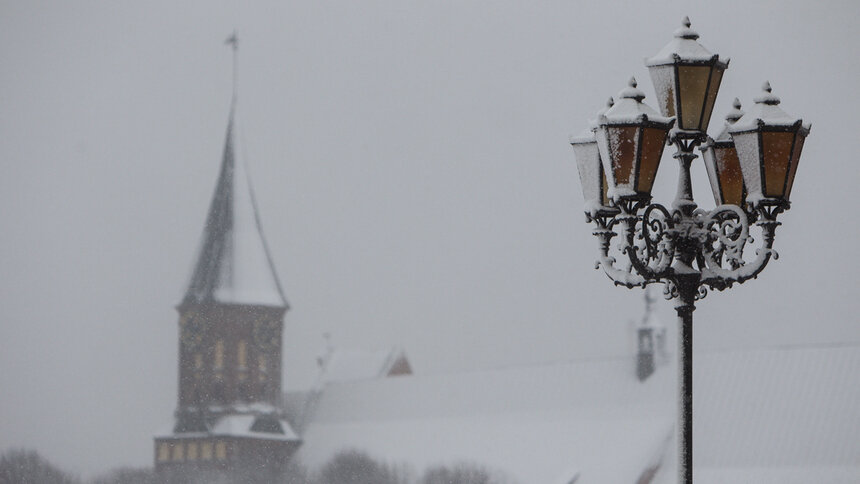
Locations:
(684, 47)
(587, 135)
(731, 118)
(632, 91)
(592, 123)
(630, 108)
(685, 32)
(766, 112)
(736, 113)
(767, 96)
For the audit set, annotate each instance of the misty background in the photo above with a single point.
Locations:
(414, 179)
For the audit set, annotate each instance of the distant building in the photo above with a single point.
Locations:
(782, 415)
(229, 412)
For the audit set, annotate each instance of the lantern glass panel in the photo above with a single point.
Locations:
(693, 86)
(730, 177)
(623, 145)
(795, 158)
(604, 188)
(747, 148)
(663, 78)
(711, 167)
(653, 141)
(588, 163)
(713, 89)
(776, 150)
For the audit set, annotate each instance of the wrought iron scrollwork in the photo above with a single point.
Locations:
(689, 250)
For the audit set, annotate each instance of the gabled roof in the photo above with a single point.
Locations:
(536, 424)
(775, 415)
(768, 415)
(234, 265)
(351, 365)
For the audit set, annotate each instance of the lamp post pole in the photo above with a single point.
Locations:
(751, 167)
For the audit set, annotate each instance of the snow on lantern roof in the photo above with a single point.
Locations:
(731, 118)
(766, 111)
(630, 109)
(584, 136)
(683, 46)
(587, 135)
(234, 265)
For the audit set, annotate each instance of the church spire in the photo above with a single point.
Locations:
(234, 265)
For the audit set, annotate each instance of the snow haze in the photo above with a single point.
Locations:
(411, 165)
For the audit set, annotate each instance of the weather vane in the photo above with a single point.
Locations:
(233, 42)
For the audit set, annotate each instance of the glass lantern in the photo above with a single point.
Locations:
(723, 165)
(687, 78)
(630, 139)
(769, 143)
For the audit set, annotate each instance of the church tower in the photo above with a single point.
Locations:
(228, 413)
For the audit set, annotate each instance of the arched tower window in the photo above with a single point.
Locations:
(242, 354)
(262, 366)
(219, 354)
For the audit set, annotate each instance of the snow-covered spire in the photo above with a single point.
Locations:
(234, 265)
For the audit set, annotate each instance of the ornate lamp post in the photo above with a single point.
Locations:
(751, 166)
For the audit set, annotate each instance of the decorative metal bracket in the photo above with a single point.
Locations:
(687, 249)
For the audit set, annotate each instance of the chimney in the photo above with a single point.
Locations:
(650, 340)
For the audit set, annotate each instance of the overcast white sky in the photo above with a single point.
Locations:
(411, 164)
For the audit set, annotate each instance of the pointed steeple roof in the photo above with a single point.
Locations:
(234, 265)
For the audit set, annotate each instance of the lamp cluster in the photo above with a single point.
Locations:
(751, 166)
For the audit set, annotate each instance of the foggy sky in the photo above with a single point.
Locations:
(411, 165)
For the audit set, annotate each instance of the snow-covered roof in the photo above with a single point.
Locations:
(786, 415)
(536, 424)
(348, 365)
(234, 264)
(244, 425)
(761, 415)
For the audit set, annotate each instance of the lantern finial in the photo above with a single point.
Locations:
(767, 96)
(685, 32)
(736, 113)
(631, 91)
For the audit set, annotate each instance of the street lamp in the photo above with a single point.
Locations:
(751, 166)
